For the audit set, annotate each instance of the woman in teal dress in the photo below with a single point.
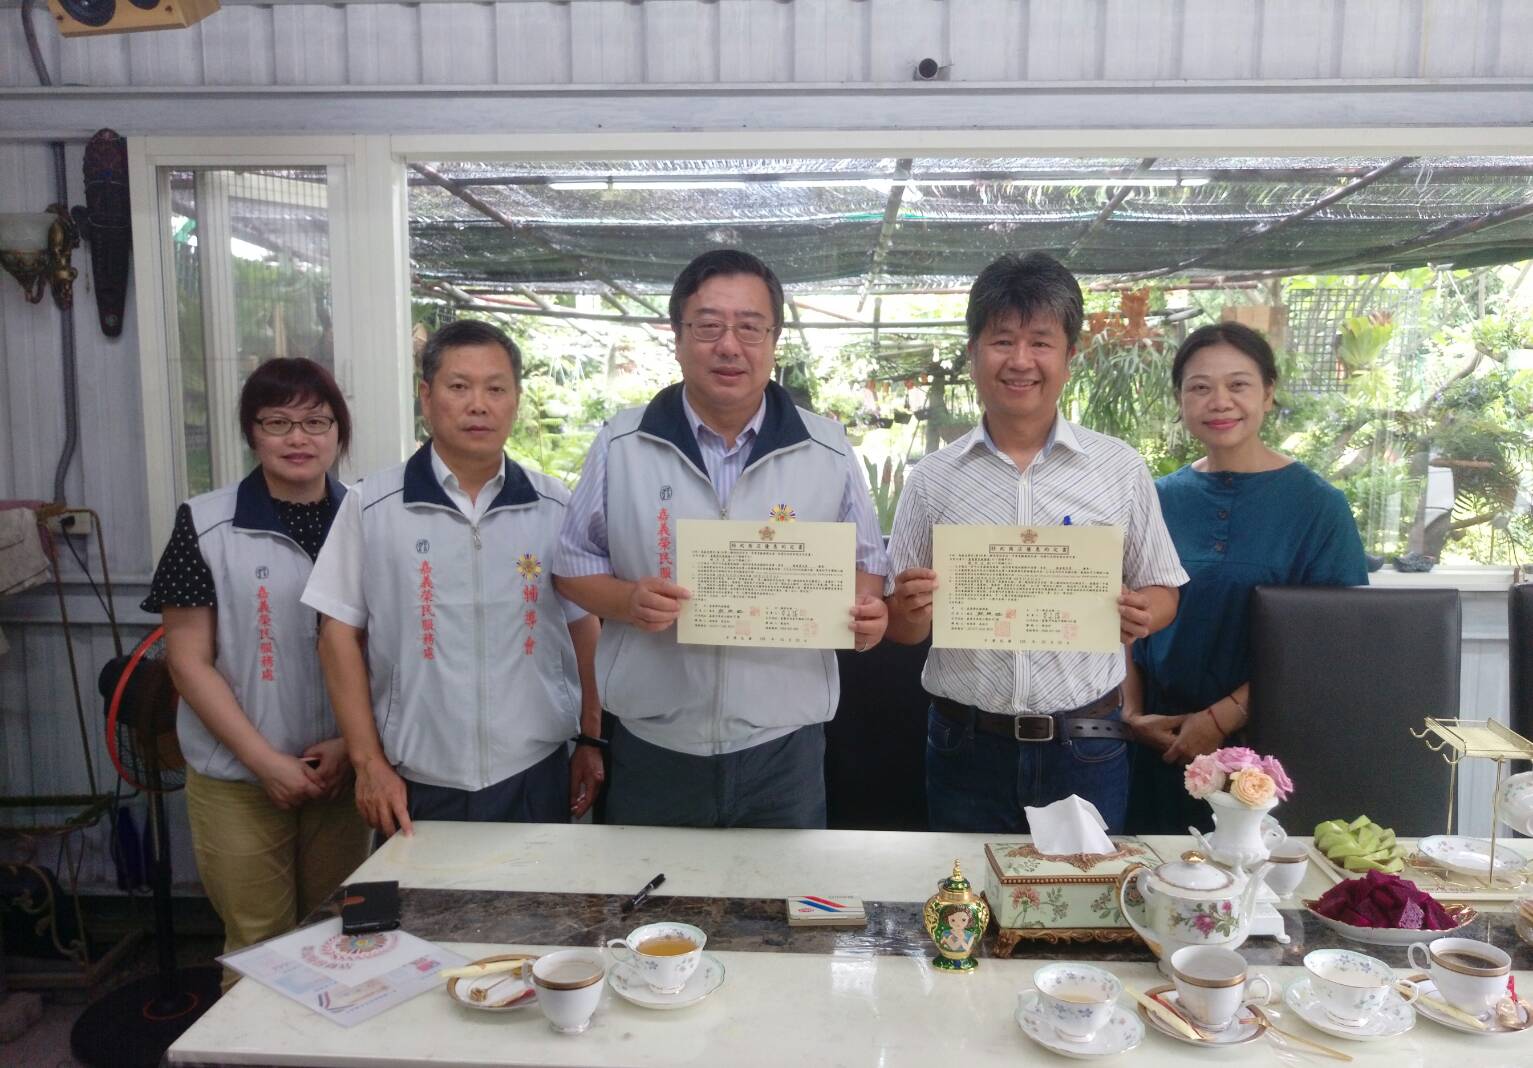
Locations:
(1242, 516)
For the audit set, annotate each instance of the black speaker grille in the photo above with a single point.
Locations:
(90, 12)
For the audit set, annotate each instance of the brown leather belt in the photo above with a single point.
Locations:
(1084, 723)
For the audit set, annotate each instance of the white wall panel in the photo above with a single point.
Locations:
(382, 46)
(309, 45)
(93, 61)
(607, 42)
(532, 44)
(1219, 40)
(903, 32)
(984, 39)
(1380, 39)
(457, 44)
(1298, 39)
(169, 57)
(1144, 39)
(755, 41)
(830, 41)
(681, 41)
(243, 50)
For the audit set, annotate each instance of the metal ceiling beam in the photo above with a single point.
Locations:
(1122, 193)
(886, 231)
(1267, 229)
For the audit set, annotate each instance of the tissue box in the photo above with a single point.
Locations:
(1059, 898)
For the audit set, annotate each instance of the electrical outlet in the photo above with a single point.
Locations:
(70, 523)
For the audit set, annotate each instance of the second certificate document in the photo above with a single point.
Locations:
(1028, 588)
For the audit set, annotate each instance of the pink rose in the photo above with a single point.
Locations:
(1204, 776)
(1280, 778)
(1252, 786)
(1237, 757)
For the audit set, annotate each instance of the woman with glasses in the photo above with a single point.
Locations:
(272, 822)
(1242, 516)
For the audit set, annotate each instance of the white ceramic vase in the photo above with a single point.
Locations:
(1237, 840)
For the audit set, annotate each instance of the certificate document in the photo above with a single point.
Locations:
(766, 584)
(1031, 588)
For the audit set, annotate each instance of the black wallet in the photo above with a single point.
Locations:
(370, 907)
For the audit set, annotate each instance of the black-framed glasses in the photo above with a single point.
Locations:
(278, 426)
(748, 333)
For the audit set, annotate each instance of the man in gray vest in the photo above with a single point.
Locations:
(457, 675)
(712, 736)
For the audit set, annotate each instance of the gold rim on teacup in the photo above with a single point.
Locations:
(1300, 859)
(1209, 984)
(1468, 969)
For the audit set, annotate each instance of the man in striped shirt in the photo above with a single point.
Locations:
(726, 736)
(1014, 729)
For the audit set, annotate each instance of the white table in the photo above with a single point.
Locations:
(775, 1009)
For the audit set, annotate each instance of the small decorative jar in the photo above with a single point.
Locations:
(955, 919)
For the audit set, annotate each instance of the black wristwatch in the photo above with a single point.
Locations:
(586, 739)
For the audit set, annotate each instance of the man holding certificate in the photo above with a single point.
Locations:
(1010, 549)
(721, 689)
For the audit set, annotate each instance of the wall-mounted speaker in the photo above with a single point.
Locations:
(77, 18)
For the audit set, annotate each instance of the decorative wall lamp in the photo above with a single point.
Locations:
(35, 248)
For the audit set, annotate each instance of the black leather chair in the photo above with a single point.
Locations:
(875, 748)
(1339, 677)
(1520, 638)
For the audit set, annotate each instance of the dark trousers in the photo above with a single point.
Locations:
(540, 794)
(979, 782)
(780, 783)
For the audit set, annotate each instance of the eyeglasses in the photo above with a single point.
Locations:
(711, 330)
(314, 425)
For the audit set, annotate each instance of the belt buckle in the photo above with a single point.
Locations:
(1018, 721)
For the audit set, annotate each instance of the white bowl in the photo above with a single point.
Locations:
(1395, 936)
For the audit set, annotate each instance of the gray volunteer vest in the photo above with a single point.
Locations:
(266, 639)
(471, 665)
(699, 699)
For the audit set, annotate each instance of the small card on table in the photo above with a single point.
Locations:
(817, 910)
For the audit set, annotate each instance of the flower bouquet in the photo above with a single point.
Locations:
(1242, 787)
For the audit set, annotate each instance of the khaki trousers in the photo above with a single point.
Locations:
(266, 868)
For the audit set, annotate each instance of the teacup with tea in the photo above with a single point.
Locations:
(1470, 974)
(665, 954)
(1076, 1000)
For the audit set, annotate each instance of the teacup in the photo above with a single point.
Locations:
(1289, 860)
(1471, 975)
(1353, 987)
(1211, 985)
(1076, 1000)
(569, 984)
(665, 954)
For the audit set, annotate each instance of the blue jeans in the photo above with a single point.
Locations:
(979, 782)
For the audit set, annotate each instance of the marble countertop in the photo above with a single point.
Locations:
(822, 1000)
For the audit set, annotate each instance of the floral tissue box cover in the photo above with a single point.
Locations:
(1029, 889)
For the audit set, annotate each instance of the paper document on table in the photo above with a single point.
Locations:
(1030, 588)
(344, 978)
(766, 584)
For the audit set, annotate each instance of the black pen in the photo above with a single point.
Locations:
(639, 898)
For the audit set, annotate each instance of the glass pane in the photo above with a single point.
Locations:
(251, 254)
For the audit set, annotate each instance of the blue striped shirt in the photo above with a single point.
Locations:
(583, 545)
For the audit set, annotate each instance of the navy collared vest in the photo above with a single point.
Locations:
(471, 665)
(699, 699)
(266, 641)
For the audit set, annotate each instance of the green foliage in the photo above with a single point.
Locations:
(886, 486)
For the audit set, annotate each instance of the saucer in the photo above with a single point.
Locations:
(1243, 1028)
(1119, 1035)
(630, 986)
(514, 994)
(1429, 989)
(1471, 856)
(1394, 1019)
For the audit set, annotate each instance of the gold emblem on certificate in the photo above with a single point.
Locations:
(1029, 588)
(786, 584)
